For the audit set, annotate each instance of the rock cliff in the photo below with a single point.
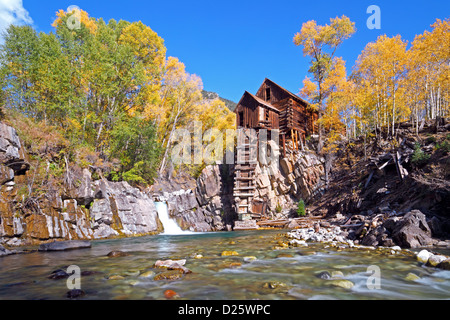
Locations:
(79, 207)
(84, 209)
(206, 206)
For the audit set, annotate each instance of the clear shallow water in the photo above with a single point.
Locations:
(25, 276)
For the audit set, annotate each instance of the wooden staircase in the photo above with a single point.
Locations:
(244, 179)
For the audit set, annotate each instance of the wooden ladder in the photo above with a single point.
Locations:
(244, 179)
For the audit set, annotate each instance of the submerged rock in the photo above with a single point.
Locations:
(230, 265)
(169, 275)
(285, 255)
(337, 274)
(173, 265)
(412, 277)
(170, 294)
(116, 254)
(229, 253)
(275, 287)
(58, 274)
(64, 245)
(435, 260)
(116, 277)
(75, 293)
(6, 252)
(346, 284)
(147, 274)
(444, 264)
(87, 273)
(249, 258)
(324, 275)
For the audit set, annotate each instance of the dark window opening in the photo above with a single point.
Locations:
(267, 94)
(241, 119)
(267, 115)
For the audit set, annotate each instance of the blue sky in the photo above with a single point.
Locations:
(233, 45)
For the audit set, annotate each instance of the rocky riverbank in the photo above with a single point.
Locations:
(83, 205)
(340, 239)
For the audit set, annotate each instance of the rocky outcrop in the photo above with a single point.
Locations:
(299, 175)
(410, 230)
(6, 252)
(119, 209)
(81, 209)
(207, 207)
(182, 206)
(84, 209)
(108, 209)
(12, 155)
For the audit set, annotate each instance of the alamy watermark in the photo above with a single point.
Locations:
(241, 146)
(373, 281)
(74, 20)
(74, 280)
(374, 21)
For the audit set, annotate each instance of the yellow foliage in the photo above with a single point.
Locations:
(89, 23)
(147, 45)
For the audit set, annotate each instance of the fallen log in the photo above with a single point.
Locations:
(343, 226)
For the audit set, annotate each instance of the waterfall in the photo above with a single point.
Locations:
(170, 226)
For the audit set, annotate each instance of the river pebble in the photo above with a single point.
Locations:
(116, 254)
(249, 258)
(170, 294)
(147, 274)
(423, 256)
(346, 284)
(75, 293)
(434, 260)
(412, 277)
(116, 277)
(229, 253)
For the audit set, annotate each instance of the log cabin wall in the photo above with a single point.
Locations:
(254, 113)
(247, 112)
(294, 111)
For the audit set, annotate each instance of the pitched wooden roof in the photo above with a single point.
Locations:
(294, 96)
(260, 101)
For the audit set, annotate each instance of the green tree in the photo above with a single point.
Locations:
(135, 144)
(301, 210)
(19, 54)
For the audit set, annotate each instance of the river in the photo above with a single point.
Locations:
(274, 274)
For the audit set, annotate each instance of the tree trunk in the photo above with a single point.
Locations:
(169, 142)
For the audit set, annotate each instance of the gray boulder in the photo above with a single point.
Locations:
(64, 245)
(11, 153)
(412, 231)
(208, 184)
(6, 252)
(118, 206)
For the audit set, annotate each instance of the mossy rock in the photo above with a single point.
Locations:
(229, 253)
(412, 277)
(169, 275)
(346, 284)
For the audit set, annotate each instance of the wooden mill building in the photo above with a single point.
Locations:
(272, 108)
